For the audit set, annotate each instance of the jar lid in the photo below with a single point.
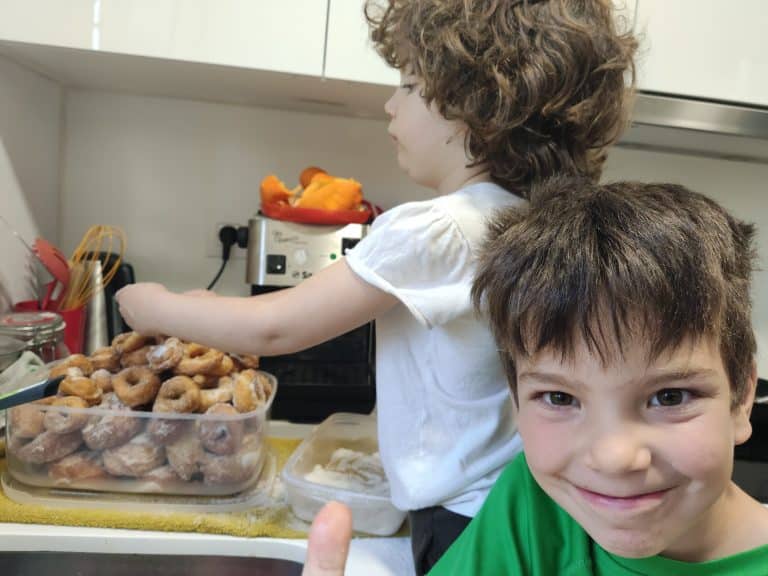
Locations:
(9, 345)
(28, 325)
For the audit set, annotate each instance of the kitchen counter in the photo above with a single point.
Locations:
(368, 556)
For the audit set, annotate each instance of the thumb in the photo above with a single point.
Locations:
(329, 539)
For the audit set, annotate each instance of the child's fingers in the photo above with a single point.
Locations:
(329, 539)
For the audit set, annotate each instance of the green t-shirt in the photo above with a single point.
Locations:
(521, 530)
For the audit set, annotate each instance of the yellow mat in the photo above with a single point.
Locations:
(274, 520)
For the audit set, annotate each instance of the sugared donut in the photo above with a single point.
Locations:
(128, 342)
(219, 395)
(251, 390)
(77, 466)
(138, 357)
(234, 468)
(166, 356)
(221, 436)
(135, 458)
(247, 360)
(177, 394)
(47, 447)
(110, 431)
(26, 421)
(62, 422)
(185, 454)
(81, 386)
(198, 360)
(74, 361)
(136, 385)
(103, 379)
(106, 358)
(224, 367)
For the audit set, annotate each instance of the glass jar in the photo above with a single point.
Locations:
(42, 332)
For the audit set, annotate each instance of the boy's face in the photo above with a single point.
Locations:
(640, 454)
(430, 149)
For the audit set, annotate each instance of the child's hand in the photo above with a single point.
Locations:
(136, 303)
(203, 293)
(329, 541)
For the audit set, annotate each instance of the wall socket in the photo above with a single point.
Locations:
(213, 244)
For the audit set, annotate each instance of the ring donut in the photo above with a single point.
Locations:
(138, 357)
(166, 356)
(135, 458)
(224, 367)
(62, 422)
(221, 436)
(234, 468)
(185, 454)
(219, 395)
(106, 358)
(47, 447)
(103, 379)
(198, 360)
(128, 342)
(136, 385)
(252, 389)
(82, 387)
(83, 364)
(177, 394)
(78, 466)
(110, 431)
(247, 360)
(26, 421)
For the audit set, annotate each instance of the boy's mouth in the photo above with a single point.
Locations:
(629, 502)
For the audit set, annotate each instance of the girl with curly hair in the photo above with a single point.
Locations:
(496, 95)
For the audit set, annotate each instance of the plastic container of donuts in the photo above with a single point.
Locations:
(340, 461)
(138, 429)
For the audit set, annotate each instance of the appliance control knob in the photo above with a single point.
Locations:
(300, 256)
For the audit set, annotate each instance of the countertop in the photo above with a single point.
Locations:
(368, 556)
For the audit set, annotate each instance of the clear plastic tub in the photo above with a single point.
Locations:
(338, 462)
(131, 451)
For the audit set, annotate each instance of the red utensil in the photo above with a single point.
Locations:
(57, 265)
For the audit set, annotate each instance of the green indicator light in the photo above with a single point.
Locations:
(333, 255)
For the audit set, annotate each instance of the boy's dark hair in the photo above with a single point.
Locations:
(602, 263)
(539, 83)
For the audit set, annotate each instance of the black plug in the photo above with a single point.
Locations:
(242, 237)
(228, 238)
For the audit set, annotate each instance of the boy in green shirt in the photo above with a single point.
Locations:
(622, 315)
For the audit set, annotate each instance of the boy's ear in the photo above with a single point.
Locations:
(742, 425)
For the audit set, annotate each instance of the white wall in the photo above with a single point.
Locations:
(168, 170)
(30, 113)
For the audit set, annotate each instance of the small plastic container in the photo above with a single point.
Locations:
(372, 510)
(136, 452)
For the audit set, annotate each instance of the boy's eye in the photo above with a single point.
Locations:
(670, 397)
(558, 399)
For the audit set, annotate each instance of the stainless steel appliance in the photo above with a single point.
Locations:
(338, 375)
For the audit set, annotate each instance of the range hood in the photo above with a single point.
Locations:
(669, 111)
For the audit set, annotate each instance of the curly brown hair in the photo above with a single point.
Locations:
(539, 84)
(601, 264)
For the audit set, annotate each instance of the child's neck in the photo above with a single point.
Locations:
(735, 523)
(461, 179)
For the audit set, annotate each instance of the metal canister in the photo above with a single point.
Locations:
(42, 332)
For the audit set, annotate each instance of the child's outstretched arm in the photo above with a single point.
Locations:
(333, 301)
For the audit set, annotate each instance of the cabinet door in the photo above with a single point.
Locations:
(349, 54)
(68, 23)
(705, 48)
(280, 35)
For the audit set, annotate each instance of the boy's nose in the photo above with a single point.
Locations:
(617, 452)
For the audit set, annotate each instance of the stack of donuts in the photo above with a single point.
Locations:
(146, 415)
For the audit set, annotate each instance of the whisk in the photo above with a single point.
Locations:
(98, 239)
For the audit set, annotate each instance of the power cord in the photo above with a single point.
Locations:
(229, 236)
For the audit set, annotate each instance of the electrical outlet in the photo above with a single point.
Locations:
(213, 244)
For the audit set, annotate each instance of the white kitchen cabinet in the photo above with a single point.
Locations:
(705, 49)
(67, 23)
(349, 53)
(285, 35)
